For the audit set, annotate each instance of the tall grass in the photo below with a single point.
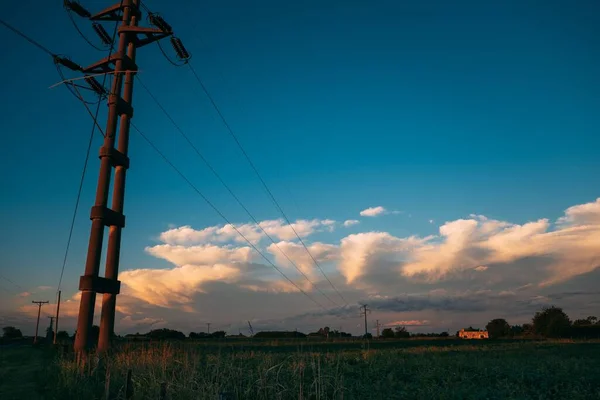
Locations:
(473, 371)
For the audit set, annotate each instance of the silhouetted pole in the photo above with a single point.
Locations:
(56, 319)
(208, 327)
(378, 328)
(37, 325)
(366, 310)
(51, 324)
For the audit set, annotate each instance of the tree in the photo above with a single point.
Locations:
(401, 332)
(218, 334)
(498, 328)
(10, 332)
(165, 333)
(61, 335)
(551, 322)
(516, 330)
(591, 320)
(387, 333)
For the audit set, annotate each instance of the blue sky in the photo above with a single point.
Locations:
(437, 110)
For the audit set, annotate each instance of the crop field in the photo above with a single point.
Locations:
(402, 369)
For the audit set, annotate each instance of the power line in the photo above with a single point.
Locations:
(8, 280)
(237, 199)
(221, 214)
(233, 135)
(24, 36)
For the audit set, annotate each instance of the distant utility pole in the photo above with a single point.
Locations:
(120, 111)
(208, 326)
(378, 328)
(51, 326)
(37, 325)
(365, 310)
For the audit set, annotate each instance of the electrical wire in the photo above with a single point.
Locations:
(237, 199)
(8, 280)
(207, 93)
(81, 33)
(222, 215)
(24, 36)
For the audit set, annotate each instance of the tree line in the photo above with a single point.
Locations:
(549, 322)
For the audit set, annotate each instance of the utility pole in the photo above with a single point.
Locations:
(208, 326)
(51, 325)
(366, 310)
(56, 319)
(378, 328)
(37, 325)
(122, 63)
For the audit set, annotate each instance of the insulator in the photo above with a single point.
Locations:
(160, 23)
(77, 8)
(182, 53)
(67, 63)
(101, 32)
(95, 85)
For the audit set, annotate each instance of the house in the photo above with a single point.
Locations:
(463, 334)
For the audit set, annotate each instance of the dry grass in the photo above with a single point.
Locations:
(443, 371)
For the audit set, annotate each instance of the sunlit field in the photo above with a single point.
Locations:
(410, 369)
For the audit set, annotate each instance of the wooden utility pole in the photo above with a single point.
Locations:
(365, 311)
(120, 109)
(37, 325)
(51, 326)
(56, 319)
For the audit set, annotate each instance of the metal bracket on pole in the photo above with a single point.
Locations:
(109, 217)
(112, 13)
(104, 64)
(152, 34)
(99, 284)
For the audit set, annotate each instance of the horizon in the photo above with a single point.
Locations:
(439, 165)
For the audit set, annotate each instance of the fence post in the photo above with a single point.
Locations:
(128, 386)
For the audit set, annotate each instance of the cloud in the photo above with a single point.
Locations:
(413, 322)
(321, 252)
(569, 250)
(373, 211)
(481, 268)
(350, 222)
(171, 287)
(24, 294)
(276, 229)
(201, 254)
(359, 252)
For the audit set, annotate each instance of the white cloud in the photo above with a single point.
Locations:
(360, 250)
(201, 254)
(350, 222)
(174, 286)
(297, 253)
(373, 211)
(277, 229)
(24, 294)
(481, 268)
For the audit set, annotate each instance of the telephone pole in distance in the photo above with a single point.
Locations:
(37, 325)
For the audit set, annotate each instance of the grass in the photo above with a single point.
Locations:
(353, 370)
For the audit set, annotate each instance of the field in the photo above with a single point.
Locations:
(403, 369)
